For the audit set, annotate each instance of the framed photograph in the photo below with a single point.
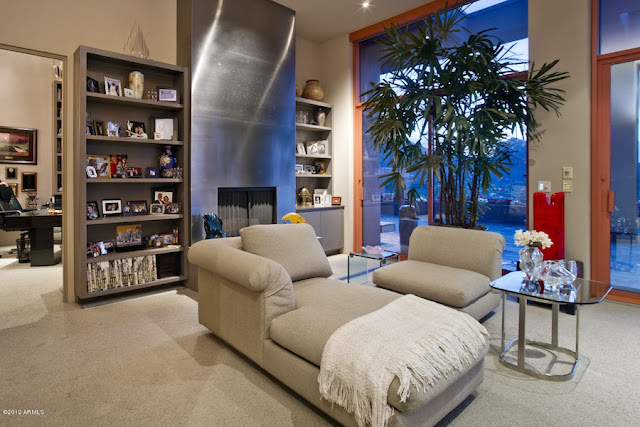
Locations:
(112, 86)
(113, 129)
(128, 236)
(29, 182)
(128, 93)
(308, 169)
(322, 147)
(94, 250)
(167, 238)
(336, 201)
(168, 94)
(138, 207)
(11, 172)
(92, 210)
(152, 173)
(111, 207)
(14, 187)
(134, 172)
(299, 168)
(93, 85)
(319, 167)
(136, 130)
(172, 208)
(98, 166)
(157, 208)
(165, 127)
(98, 126)
(18, 145)
(326, 200)
(312, 148)
(317, 200)
(118, 165)
(157, 136)
(163, 196)
(126, 210)
(300, 148)
(89, 129)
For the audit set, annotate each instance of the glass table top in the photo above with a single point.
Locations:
(582, 291)
(383, 255)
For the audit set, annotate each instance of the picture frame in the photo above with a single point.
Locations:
(138, 207)
(172, 208)
(300, 148)
(89, 129)
(29, 182)
(112, 86)
(164, 196)
(152, 173)
(128, 93)
(168, 94)
(128, 236)
(312, 148)
(157, 208)
(136, 130)
(326, 200)
(14, 187)
(336, 201)
(93, 85)
(111, 207)
(113, 129)
(322, 147)
(98, 166)
(299, 168)
(118, 165)
(157, 136)
(98, 126)
(92, 211)
(126, 210)
(308, 169)
(134, 172)
(318, 200)
(11, 172)
(319, 167)
(18, 145)
(165, 126)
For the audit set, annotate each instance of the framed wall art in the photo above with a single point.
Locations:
(29, 182)
(18, 145)
(11, 172)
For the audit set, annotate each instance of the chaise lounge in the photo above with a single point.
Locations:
(267, 294)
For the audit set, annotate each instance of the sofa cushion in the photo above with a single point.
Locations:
(294, 246)
(447, 285)
(322, 306)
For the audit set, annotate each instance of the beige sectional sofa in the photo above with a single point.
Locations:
(267, 294)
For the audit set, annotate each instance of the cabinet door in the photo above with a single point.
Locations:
(313, 219)
(332, 222)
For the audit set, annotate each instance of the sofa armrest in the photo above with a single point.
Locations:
(254, 272)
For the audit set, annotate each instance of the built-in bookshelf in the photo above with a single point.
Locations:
(57, 136)
(135, 249)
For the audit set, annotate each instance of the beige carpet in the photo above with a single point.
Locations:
(147, 361)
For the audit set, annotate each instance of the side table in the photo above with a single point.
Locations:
(382, 259)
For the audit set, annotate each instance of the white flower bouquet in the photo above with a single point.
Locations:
(532, 238)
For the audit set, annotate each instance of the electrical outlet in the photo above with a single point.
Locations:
(544, 186)
(566, 186)
(567, 172)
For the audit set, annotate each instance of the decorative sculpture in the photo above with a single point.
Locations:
(213, 226)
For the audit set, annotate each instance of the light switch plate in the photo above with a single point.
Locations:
(567, 172)
(544, 186)
(566, 186)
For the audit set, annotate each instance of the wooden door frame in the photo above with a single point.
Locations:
(601, 196)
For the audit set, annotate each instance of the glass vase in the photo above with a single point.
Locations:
(530, 260)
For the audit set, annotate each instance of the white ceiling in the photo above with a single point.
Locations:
(322, 20)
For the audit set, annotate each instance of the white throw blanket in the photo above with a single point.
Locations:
(414, 339)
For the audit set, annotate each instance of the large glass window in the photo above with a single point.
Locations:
(503, 206)
(619, 25)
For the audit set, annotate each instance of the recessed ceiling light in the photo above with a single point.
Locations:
(365, 4)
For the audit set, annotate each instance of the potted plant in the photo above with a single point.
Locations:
(448, 108)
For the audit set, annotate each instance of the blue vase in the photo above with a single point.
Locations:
(167, 162)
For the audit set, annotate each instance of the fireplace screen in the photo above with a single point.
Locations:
(241, 207)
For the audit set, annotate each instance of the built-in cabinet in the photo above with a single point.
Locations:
(314, 171)
(127, 265)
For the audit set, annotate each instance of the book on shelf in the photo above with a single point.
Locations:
(121, 273)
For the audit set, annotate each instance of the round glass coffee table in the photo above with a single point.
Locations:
(581, 292)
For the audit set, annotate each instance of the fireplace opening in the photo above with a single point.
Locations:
(242, 207)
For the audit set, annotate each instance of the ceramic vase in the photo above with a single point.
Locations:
(136, 84)
(530, 261)
(320, 117)
(167, 162)
(313, 91)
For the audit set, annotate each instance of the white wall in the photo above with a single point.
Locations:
(561, 30)
(59, 27)
(308, 62)
(27, 101)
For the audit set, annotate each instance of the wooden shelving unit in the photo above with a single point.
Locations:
(141, 153)
(57, 136)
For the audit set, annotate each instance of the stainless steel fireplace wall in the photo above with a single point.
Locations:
(242, 207)
(242, 62)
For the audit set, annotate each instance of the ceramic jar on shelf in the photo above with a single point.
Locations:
(313, 91)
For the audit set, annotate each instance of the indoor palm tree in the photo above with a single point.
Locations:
(450, 103)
